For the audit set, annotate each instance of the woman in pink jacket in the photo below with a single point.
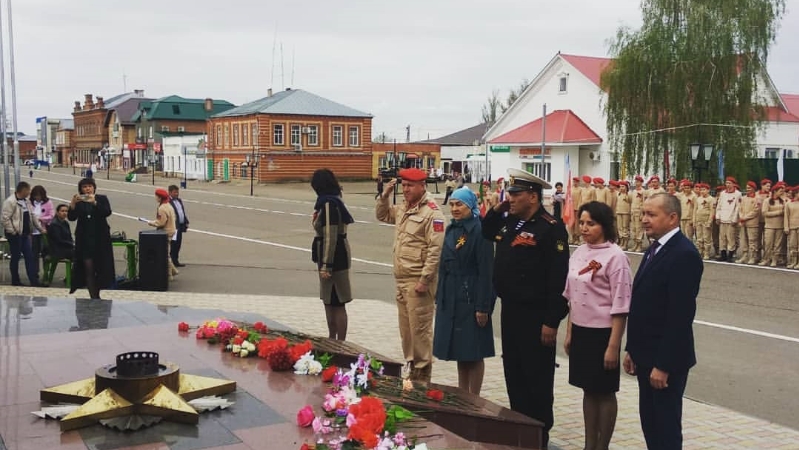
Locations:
(44, 211)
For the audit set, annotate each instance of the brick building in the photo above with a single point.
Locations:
(293, 133)
(64, 142)
(169, 116)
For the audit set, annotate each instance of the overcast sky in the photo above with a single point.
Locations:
(429, 64)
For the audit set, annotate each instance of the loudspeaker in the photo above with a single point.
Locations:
(153, 274)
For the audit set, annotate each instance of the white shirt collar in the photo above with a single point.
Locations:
(665, 238)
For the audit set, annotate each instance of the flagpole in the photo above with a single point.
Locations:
(6, 172)
(13, 92)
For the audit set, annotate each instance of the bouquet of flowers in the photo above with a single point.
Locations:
(352, 419)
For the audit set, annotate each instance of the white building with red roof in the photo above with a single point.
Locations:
(575, 124)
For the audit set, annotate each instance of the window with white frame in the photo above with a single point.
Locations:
(542, 170)
(354, 136)
(151, 132)
(227, 135)
(382, 162)
(235, 135)
(164, 129)
(181, 129)
(563, 83)
(277, 134)
(313, 135)
(245, 134)
(338, 137)
(138, 131)
(254, 131)
(772, 153)
(218, 135)
(296, 136)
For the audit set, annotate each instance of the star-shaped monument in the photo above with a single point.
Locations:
(138, 385)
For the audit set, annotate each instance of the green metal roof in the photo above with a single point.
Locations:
(174, 107)
(294, 102)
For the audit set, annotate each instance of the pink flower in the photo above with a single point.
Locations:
(305, 416)
(351, 420)
(330, 403)
(321, 426)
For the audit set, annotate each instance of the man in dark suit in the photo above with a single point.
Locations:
(181, 223)
(660, 339)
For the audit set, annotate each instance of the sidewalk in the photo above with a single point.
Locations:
(372, 323)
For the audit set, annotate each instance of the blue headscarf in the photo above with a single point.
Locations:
(468, 198)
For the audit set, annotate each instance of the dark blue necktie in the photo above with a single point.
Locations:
(650, 253)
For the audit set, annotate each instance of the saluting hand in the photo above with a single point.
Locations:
(389, 188)
(503, 207)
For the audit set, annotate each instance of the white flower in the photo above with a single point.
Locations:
(363, 380)
(243, 353)
(249, 346)
(236, 348)
(305, 365)
(314, 368)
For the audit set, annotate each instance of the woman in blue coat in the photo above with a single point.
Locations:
(465, 297)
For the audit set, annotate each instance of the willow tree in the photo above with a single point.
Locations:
(694, 72)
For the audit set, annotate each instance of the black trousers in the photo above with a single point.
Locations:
(529, 366)
(661, 410)
(174, 246)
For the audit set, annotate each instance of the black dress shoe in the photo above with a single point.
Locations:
(179, 265)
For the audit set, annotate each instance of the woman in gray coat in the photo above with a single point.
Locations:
(465, 297)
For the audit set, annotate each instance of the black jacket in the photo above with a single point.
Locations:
(59, 239)
(531, 262)
(181, 226)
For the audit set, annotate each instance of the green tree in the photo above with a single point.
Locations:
(694, 72)
(514, 94)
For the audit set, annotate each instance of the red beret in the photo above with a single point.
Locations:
(575, 178)
(671, 180)
(624, 183)
(613, 183)
(653, 178)
(500, 180)
(162, 193)
(599, 180)
(639, 178)
(731, 180)
(780, 184)
(765, 181)
(413, 174)
(721, 188)
(752, 184)
(586, 178)
(685, 182)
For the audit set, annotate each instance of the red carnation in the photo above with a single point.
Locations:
(183, 326)
(435, 394)
(329, 373)
(298, 350)
(260, 327)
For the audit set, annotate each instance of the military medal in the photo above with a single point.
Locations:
(461, 241)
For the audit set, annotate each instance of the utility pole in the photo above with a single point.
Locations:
(408, 133)
(17, 176)
(3, 130)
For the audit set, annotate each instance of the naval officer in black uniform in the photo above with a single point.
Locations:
(530, 267)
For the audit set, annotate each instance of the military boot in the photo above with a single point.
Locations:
(793, 263)
(722, 257)
(763, 262)
(751, 261)
(743, 258)
(422, 374)
(637, 247)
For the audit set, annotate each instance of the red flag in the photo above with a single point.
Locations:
(482, 209)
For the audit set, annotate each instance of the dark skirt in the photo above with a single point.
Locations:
(587, 361)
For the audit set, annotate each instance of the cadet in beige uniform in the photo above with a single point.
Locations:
(727, 206)
(637, 198)
(654, 186)
(601, 193)
(773, 211)
(792, 229)
(165, 220)
(418, 237)
(704, 215)
(750, 225)
(623, 201)
(687, 203)
(613, 186)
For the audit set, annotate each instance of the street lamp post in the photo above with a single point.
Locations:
(152, 162)
(252, 163)
(185, 165)
(699, 164)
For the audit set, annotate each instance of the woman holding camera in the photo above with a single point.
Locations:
(93, 265)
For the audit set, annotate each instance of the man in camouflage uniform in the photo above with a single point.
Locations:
(418, 237)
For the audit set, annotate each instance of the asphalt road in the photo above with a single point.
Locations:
(747, 331)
